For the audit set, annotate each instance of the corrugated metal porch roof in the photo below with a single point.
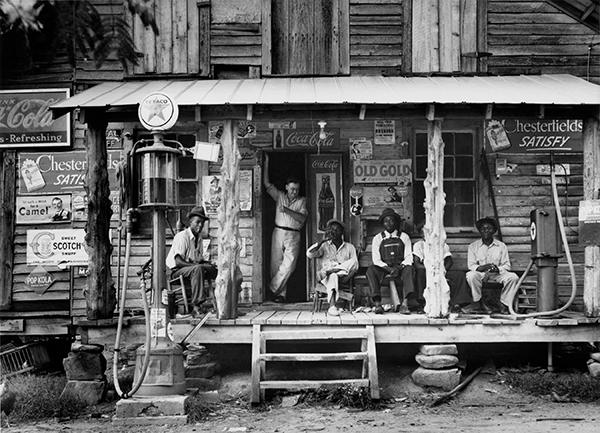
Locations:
(538, 89)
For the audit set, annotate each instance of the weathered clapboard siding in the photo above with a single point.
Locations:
(376, 37)
(235, 44)
(523, 190)
(533, 37)
(181, 46)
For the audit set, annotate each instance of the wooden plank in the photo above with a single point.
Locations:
(291, 318)
(316, 334)
(372, 363)
(256, 365)
(165, 38)
(262, 318)
(339, 356)
(304, 318)
(307, 384)
(180, 35)
(12, 325)
(343, 29)
(266, 27)
(276, 318)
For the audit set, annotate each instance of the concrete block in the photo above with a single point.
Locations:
(205, 371)
(595, 356)
(84, 366)
(445, 379)
(594, 369)
(198, 358)
(154, 421)
(438, 349)
(89, 392)
(140, 407)
(436, 362)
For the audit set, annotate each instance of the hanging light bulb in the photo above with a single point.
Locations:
(322, 133)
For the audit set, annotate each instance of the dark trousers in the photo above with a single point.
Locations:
(404, 283)
(197, 274)
(460, 292)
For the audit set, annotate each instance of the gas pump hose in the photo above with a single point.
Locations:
(563, 236)
(136, 385)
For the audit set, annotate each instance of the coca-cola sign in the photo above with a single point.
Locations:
(306, 139)
(26, 120)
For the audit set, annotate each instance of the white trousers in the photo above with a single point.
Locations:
(285, 247)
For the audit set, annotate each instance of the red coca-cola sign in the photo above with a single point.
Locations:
(306, 139)
(26, 120)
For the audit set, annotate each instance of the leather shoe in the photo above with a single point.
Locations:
(379, 309)
(485, 309)
(402, 309)
(279, 299)
(504, 310)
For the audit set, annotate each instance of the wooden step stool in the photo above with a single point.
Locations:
(260, 357)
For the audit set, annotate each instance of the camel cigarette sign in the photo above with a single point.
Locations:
(26, 120)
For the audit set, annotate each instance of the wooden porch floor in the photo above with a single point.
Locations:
(397, 328)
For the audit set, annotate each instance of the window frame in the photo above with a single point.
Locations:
(475, 178)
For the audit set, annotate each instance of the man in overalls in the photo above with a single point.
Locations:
(392, 256)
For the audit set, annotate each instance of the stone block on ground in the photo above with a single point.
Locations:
(197, 358)
(203, 371)
(436, 362)
(140, 407)
(84, 366)
(88, 392)
(438, 349)
(595, 356)
(445, 379)
(594, 369)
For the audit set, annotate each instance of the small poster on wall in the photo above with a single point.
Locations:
(211, 194)
(361, 148)
(42, 209)
(385, 132)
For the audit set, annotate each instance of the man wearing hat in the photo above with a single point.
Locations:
(487, 260)
(338, 261)
(186, 257)
(392, 256)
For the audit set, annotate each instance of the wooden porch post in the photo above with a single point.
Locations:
(437, 293)
(7, 226)
(591, 189)
(100, 295)
(226, 286)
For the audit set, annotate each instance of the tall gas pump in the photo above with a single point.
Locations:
(545, 252)
(156, 160)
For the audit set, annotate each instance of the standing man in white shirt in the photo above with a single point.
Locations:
(290, 215)
(392, 255)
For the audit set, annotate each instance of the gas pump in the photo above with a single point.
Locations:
(545, 252)
(159, 367)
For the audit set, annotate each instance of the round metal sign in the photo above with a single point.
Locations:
(158, 112)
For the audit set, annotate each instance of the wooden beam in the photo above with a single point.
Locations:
(489, 111)
(249, 109)
(591, 191)
(227, 283)
(198, 113)
(8, 176)
(363, 112)
(437, 292)
(430, 112)
(542, 113)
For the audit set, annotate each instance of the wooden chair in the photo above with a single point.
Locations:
(346, 294)
(177, 286)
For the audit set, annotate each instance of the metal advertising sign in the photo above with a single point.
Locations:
(158, 112)
(589, 222)
(393, 171)
(43, 209)
(26, 120)
(59, 172)
(39, 280)
(534, 135)
(306, 139)
(60, 248)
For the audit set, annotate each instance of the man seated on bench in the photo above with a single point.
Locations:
(338, 262)
(460, 292)
(186, 258)
(392, 256)
(488, 261)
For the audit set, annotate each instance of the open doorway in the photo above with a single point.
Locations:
(283, 165)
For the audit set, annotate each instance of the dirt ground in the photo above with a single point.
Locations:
(487, 404)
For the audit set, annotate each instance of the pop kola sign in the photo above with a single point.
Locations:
(534, 135)
(392, 171)
(60, 248)
(39, 280)
(26, 120)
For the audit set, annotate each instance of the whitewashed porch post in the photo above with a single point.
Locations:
(226, 294)
(437, 293)
(591, 187)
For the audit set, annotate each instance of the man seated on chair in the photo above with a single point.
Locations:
(186, 258)
(392, 256)
(460, 293)
(488, 261)
(338, 262)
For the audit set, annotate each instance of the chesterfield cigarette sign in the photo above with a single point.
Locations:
(26, 120)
